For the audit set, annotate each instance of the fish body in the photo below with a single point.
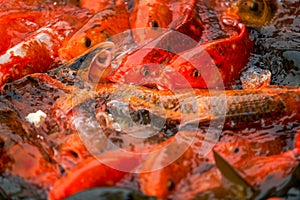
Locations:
(36, 53)
(102, 26)
(255, 13)
(264, 175)
(166, 168)
(32, 5)
(97, 5)
(151, 17)
(82, 176)
(197, 105)
(17, 25)
(14, 30)
(202, 106)
(213, 64)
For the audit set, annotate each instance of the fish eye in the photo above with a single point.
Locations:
(236, 150)
(170, 185)
(145, 70)
(195, 73)
(86, 41)
(153, 24)
(254, 6)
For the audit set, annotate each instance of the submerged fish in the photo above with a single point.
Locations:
(110, 193)
(254, 12)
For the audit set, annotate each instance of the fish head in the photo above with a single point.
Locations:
(234, 148)
(179, 73)
(83, 40)
(142, 67)
(101, 27)
(147, 74)
(149, 20)
(197, 67)
(252, 12)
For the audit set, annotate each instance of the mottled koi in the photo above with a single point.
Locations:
(17, 25)
(199, 106)
(35, 54)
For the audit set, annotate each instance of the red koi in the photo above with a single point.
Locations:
(208, 65)
(174, 163)
(17, 26)
(266, 174)
(94, 172)
(98, 5)
(38, 52)
(10, 6)
(155, 16)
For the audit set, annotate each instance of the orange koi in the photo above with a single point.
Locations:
(266, 175)
(94, 172)
(99, 28)
(154, 16)
(209, 65)
(98, 5)
(164, 176)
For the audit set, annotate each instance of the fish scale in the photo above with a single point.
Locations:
(203, 105)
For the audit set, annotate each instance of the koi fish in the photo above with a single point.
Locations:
(198, 106)
(253, 12)
(156, 16)
(165, 169)
(82, 176)
(210, 65)
(38, 52)
(10, 6)
(17, 26)
(106, 193)
(235, 106)
(266, 175)
(99, 28)
(97, 5)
